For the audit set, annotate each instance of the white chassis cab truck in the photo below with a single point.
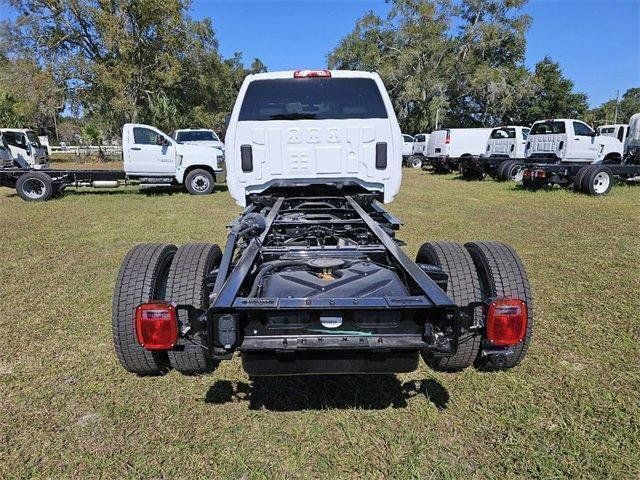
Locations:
(198, 136)
(503, 146)
(407, 146)
(587, 162)
(419, 148)
(447, 146)
(311, 278)
(617, 130)
(151, 159)
(26, 148)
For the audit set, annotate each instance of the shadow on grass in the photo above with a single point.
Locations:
(322, 392)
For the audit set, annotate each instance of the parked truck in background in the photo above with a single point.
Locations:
(446, 147)
(617, 130)
(500, 160)
(6, 159)
(25, 148)
(312, 279)
(407, 147)
(419, 148)
(588, 162)
(151, 159)
(198, 136)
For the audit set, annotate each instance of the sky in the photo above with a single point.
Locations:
(596, 42)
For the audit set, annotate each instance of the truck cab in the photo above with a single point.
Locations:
(420, 143)
(407, 145)
(570, 140)
(617, 130)
(507, 142)
(155, 157)
(309, 128)
(198, 136)
(25, 147)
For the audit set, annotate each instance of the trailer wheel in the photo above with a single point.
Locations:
(577, 180)
(187, 285)
(598, 180)
(502, 275)
(463, 287)
(142, 277)
(34, 187)
(510, 171)
(415, 162)
(199, 182)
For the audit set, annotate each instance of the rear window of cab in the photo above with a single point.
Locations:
(546, 128)
(498, 133)
(312, 99)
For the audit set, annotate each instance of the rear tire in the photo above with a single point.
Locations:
(415, 162)
(577, 180)
(187, 285)
(510, 171)
(199, 182)
(142, 277)
(34, 187)
(463, 287)
(597, 180)
(502, 275)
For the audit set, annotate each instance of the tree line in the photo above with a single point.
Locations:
(85, 67)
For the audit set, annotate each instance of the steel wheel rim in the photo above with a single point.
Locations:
(200, 183)
(601, 182)
(416, 163)
(517, 173)
(34, 188)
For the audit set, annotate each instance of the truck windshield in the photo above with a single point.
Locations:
(312, 99)
(546, 128)
(197, 136)
(503, 133)
(33, 139)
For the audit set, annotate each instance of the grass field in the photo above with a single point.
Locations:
(572, 409)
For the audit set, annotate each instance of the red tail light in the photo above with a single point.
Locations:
(506, 322)
(157, 325)
(447, 140)
(311, 73)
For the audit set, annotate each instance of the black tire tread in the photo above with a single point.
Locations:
(199, 171)
(503, 275)
(463, 287)
(40, 176)
(139, 280)
(186, 286)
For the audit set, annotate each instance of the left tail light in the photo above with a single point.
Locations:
(156, 325)
(506, 322)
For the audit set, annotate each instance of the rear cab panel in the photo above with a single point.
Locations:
(332, 137)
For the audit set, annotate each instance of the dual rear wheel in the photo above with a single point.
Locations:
(160, 271)
(480, 270)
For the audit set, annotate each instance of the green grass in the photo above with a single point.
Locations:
(572, 409)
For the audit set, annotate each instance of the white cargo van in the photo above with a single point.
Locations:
(445, 147)
(313, 127)
(198, 136)
(507, 142)
(617, 130)
(570, 140)
(25, 147)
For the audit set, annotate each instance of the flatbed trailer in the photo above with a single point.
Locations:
(41, 185)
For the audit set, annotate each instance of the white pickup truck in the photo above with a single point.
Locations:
(25, 147)
(570, 140)
(447, 146)
(618, 130)
(198, 136)
(151, 158)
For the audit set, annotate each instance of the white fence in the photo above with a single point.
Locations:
(85, 150)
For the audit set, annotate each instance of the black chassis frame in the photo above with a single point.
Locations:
(59, 177)
(233, 321)
(564, 173)
(483, 165)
